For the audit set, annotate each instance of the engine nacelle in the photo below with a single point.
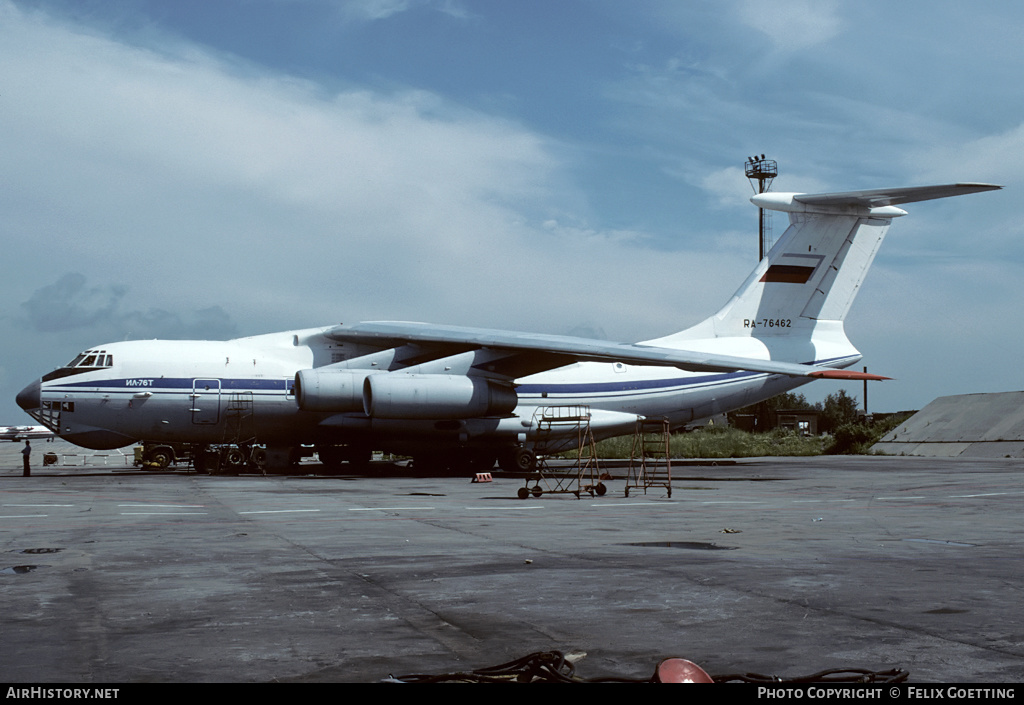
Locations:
(416, 396)
(337, 391)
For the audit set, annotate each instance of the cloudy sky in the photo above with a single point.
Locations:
(197, 169)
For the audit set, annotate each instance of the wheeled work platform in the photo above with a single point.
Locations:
(584, 474)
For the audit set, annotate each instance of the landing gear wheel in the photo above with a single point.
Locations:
(524, 459)
(517, 459)
(225, 465)
(524, 492)
(259, 458)
(160, 457)
(537, 491)
(601, 489)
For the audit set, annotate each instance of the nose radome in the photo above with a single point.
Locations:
(28, 398)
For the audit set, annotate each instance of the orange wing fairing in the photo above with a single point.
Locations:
(847, 374)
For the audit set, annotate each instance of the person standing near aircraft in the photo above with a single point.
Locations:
(25, 453)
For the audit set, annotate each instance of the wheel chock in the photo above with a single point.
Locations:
(482, 477)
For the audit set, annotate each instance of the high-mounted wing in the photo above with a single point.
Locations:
(536, 352)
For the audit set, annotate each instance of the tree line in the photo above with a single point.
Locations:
(837, 410)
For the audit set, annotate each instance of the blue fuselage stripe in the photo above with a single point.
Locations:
(182, 384)
(135, 384)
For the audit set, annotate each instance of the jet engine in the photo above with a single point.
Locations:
(432, 396)
(337, 391)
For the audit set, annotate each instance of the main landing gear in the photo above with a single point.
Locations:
(517, 459)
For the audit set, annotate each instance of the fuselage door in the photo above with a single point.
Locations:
(205, 401)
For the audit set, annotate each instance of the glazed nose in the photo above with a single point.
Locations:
(28, 398)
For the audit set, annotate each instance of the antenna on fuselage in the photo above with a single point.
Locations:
(763, 171)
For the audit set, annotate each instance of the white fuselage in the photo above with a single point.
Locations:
(210, 392)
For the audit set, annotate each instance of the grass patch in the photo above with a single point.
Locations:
(723, 443)
(849, 439)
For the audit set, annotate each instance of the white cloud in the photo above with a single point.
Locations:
(728, 187)
(991, 158)
(373, 10)
(186, 181)
(792, 24)
(376, 9)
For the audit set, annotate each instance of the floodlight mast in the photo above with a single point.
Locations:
(764, 172)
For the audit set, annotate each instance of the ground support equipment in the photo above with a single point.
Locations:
(584, 475)
(650, 462)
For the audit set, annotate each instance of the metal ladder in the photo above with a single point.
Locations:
(650, 461)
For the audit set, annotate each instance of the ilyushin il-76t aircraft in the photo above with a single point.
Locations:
(465, 397)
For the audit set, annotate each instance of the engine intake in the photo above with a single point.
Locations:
(337, 391)
(427, 396)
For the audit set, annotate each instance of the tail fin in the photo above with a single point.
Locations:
(806, 285)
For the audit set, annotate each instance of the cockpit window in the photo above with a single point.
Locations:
(92, 358)
(86, 362)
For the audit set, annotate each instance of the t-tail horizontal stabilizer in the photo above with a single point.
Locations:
(880, 203)
(793, 304)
